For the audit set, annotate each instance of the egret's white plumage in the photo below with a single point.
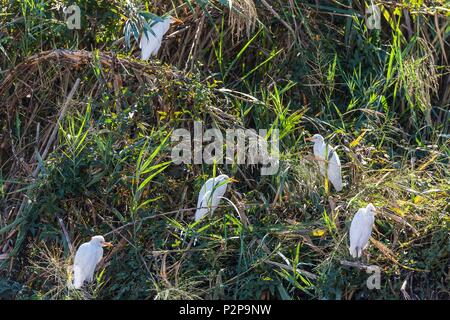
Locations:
(151, 40)
(328, 158)
(86, 259)
(361, 229)
(210, 195)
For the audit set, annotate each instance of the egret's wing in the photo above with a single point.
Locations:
(78, 277)
(151, 40)
(161, 28)
(81, 265)
(202, 206)
(217, 194)
(83, 254)
(356, 224)
(203, 197)
(210, 196)
(147, 44)
(356, 228)
(86, 258)
(366, 232)
(334, 169)
(202, 192)
(207, 186)
(156, 48)
(99, 255)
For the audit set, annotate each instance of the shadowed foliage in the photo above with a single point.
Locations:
(85, 148)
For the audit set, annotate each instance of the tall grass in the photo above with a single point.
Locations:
(381, 97)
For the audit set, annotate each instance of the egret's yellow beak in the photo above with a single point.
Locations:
(107, 244)
(233, 180)
(309, 139)
(176, 21)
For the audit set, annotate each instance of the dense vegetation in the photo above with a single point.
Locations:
(85, 148)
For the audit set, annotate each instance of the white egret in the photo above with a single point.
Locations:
(327, 158)
(361, 229)
(210, 195)
(87, 257)
(151, 40)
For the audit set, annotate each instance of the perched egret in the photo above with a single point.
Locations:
(330, 160)
(86, 259)
(360, 230)
(210, 194)
(151, 40)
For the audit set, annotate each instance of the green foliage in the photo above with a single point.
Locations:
(380, 96)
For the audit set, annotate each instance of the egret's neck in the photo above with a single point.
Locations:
(368, 213)
(319, 145)
(96, 243)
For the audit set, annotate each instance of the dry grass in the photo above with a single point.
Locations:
(69, 148)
